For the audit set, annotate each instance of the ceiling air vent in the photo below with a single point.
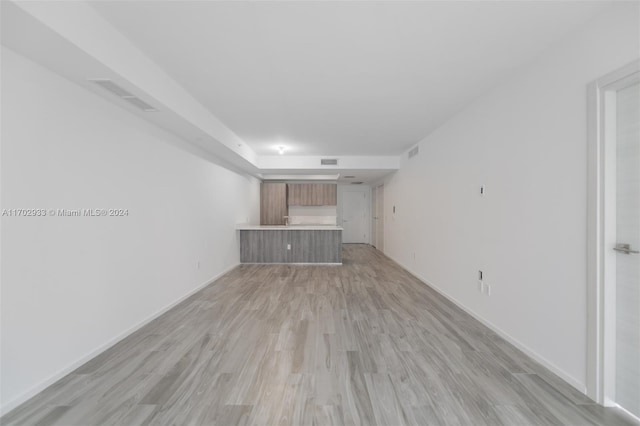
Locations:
(357, 183)
(139, 103)
(328, 161)
(414, 151)
(112, 87)
(349, 177)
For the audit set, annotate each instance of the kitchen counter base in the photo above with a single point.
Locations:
(299, 246)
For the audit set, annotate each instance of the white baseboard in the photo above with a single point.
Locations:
(14, 403)
(531, 353)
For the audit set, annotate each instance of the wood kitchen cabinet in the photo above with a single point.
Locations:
(294, 197)
(312, 194)
(329, 194)
(273, 203)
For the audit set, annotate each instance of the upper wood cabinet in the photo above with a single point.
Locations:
(330, 194)
(294, 197)
(312, 194)
(273, 203)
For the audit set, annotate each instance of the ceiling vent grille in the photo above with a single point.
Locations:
(357, 183)
(328, 161)
(414, 151)
(112, 87)
(139, 103)
(349, 177)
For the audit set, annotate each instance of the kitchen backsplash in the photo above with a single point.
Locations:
(312, 220)
(312, 215)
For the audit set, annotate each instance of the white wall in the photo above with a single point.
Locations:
(526, 141)
(73, 285)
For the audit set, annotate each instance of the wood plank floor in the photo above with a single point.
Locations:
(362, 343)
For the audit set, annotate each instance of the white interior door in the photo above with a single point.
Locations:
(627, 258)
(379, 217)
(374, 218)
(613, 239)
(355, 217)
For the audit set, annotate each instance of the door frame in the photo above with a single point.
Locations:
(601, 185)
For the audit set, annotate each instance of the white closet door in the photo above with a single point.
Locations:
(628, 264)
(380, 215)
(355, 217)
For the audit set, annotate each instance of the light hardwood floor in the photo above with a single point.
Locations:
(362, 343)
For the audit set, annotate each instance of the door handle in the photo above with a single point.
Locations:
(624, 248)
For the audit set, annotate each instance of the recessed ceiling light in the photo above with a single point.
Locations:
(281, 150)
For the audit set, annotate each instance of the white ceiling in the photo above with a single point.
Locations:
(340, 78)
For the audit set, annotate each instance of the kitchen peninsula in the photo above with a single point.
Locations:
(297, 225)
(290, 244)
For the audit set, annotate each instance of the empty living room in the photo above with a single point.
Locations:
(320, 212)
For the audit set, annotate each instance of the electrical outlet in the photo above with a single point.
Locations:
(487, 289)
(288, 246)
(480, 286)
